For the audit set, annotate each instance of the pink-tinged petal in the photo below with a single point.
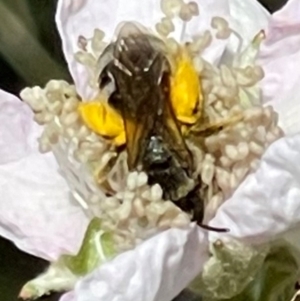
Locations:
(271, 197)
(17, 135)
(280, 57)
(36, 211)
(288, 13)
(70, 296)
(156, 270)
(81, 17)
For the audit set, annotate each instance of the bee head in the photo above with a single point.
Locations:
(134, 64)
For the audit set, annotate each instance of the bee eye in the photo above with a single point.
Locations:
(107, 81)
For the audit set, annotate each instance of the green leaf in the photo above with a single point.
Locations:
(273, 280)
(276, 279)
(96, 248)
(230, 269)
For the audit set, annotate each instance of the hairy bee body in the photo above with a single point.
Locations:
(162, 168)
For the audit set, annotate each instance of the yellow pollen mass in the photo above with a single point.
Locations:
(102, 119)
(185, 90)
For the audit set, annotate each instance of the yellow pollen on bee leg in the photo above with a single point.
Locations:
(120, 139)
(186, 92)
(102, 119)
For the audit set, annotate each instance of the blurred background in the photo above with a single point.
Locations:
(30, 54)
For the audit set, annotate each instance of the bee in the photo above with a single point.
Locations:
(136, 72)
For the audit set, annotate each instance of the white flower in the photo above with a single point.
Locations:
(39, 216)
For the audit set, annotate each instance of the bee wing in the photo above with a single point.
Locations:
(138, 124)
(175, 141)
(208, 129)
(146, 122)
(105, 58)
(125, 29)
(137, 133)
(137, 69)
(172, 132)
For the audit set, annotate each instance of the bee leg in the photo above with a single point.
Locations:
(191, 203)
(198, 206)
(206, 227)
(198, 211)
(199, 214)
(210, 129)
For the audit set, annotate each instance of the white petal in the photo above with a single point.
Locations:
(268, 202)
(36, 212)
(248, 18)
(280, 58)
(209, 10)
(81, 17)
(156, 270)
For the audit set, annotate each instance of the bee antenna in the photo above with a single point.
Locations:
(213, 228)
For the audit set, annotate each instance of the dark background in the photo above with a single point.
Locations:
(16, 72)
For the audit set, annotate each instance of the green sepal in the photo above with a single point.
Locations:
(97, 247)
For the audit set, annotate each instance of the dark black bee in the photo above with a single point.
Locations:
(137, 71)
